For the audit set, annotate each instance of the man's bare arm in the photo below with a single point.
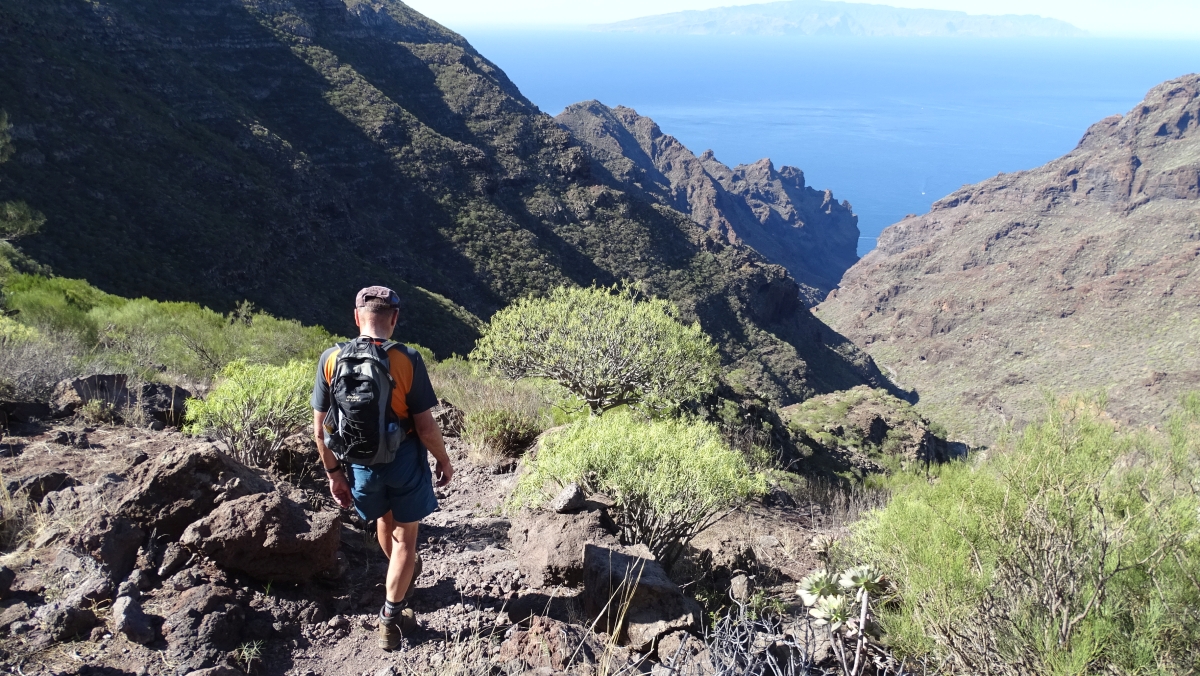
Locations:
(339, 487)
(431, 435)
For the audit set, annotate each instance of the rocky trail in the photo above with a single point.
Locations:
(150, 552)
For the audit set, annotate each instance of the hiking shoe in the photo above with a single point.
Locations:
(391, 631)
(412, 585)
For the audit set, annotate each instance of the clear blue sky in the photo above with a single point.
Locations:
(1142, 18)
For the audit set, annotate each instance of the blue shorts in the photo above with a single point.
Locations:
(403, 486)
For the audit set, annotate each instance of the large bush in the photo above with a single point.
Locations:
(254, 408)
(605, 346)
(670, 479)
(1073, 549)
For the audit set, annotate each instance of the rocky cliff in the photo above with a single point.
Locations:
(1080, 275)
(291, 152)
(805, 230)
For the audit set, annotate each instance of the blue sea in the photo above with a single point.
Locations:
(889, 124)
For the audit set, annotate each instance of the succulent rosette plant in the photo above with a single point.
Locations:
(862, 580)
(817, 585)
(831, 610)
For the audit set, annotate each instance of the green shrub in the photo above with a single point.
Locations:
(604, 346)
(254, 408)
(670, 479)
(498, 433)
(1073, 549)
(144, 336)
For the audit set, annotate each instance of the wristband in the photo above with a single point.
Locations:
(333, 470)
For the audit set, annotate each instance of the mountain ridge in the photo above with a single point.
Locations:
(846, 19)
(291, 153)
(1080, 275)
(805, 230)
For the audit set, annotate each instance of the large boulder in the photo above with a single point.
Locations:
(70, 395)
(550, 546)
(620, 585)
(185, 484)
(164, 403)
(268, 537)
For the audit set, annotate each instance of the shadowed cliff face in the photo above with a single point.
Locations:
(290, 152)
(1080, 275)
(802, 229)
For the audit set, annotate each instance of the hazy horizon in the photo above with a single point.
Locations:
(1167, 19)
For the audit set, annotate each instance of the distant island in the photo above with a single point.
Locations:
(821, 18)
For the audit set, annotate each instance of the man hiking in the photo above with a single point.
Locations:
(372, 420)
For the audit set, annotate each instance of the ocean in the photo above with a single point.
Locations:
(891, 125)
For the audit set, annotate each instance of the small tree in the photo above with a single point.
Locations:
(670, 479)
(605, 346)
(17, 219)
(254, 408)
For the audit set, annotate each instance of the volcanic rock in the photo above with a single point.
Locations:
(204, 622)
(70, 395)
(636, 588)
(548, 643)
(570, 499)
(268, 537)
(163, 403)
(550, 546)
(113, 541)
(36, 486)
(184, 484)
(128, 619)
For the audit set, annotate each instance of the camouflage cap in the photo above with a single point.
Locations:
(377, 298)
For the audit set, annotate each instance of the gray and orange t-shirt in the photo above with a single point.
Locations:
(412, 394)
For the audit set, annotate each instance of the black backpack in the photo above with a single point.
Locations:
(361, 427)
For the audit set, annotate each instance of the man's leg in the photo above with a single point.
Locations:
(402, 558)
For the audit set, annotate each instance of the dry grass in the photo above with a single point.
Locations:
(501, 417)
(29, 370)
(834, 505)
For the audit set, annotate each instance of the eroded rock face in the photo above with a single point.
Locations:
(550, 546)
(183, 485)
(268, 537)
(1080, 273)
(804, 230)
(655, 605)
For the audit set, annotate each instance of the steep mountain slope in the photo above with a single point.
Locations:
(290, 152)
(802, 229)
(819, 17)
(1083, 274)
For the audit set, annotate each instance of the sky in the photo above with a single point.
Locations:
(1125, 18)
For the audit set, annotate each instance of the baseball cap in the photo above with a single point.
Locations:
(377, 297)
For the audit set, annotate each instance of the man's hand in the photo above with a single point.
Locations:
(444, 472)
(339, 488)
